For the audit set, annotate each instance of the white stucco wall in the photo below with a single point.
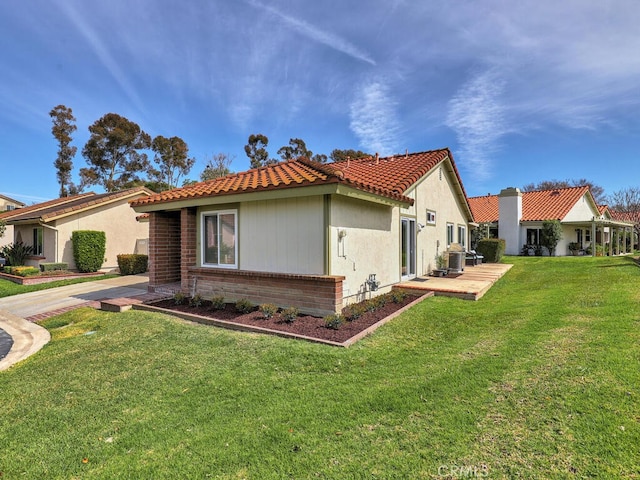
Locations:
(582, 211)
(283, 236)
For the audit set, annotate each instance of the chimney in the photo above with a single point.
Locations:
(509, 215)
(377, 158)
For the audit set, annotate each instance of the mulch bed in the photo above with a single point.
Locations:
(303, 325)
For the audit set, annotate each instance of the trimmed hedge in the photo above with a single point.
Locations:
(132, 263)
(492, 249)
(89, 247)
(51, 266)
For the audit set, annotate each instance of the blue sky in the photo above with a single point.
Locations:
(519, 91)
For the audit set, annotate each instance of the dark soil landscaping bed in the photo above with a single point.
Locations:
(304, 326)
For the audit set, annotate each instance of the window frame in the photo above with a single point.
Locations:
(38, 241)
(450, 234)
(462, 235)
(203, 244)
(431, 217)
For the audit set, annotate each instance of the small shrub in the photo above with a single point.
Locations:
(196, 300)
(398, 296)
(178, 298)
(217, 302)
(369, 305)
(492, 249)
(289, 314)
(51, 267)
(22, 271)
(132, 264)
(244, 306)
(268, 310)
(333, 321)
(354, 311)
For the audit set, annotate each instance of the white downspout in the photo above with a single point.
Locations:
(55, 251)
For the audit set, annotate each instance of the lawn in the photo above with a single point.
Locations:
(8, 288)
(538, 379)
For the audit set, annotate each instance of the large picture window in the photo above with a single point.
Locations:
(219, 238)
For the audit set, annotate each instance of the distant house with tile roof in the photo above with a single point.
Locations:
(300, 233)
(7, 204)
(47, 226)
(517, 217)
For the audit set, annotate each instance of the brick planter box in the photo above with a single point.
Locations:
(38, 279)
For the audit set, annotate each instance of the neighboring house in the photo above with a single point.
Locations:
(517, 218)
(8, 204)
(632, 217)
(304, 234)
(47, 226)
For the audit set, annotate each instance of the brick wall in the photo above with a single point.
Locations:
(164, 248)
(311, 294)
(173, 256)
(188, 238)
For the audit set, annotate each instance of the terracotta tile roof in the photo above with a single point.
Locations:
(60, 207)
(485, 209)
(631, 217)
(388, 177)
(536, 206)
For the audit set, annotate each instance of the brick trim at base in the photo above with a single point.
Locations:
(311, 294)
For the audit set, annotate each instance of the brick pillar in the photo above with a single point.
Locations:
(164, 248)
(188, 245)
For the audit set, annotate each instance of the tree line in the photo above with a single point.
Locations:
(116, 155)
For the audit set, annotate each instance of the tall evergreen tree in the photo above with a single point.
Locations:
(172, 157)
(256, 150)
(62, 128)
(113, 153)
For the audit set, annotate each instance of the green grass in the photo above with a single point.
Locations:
(8, 288)
(539, 379)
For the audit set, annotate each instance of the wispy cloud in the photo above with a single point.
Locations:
(316, 34)
(374, 118)
(477, 116)
(101, 50)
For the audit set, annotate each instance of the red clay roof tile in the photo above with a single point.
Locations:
(389, 177)
(536, 206)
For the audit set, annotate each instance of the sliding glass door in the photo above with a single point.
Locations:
(408, 247)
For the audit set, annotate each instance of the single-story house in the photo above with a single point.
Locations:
(47, 226)
(517, 217)
(8, 204)
(304, 234)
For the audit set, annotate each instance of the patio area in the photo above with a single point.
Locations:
(471, 284)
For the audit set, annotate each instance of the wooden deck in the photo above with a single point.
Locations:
(472, 284)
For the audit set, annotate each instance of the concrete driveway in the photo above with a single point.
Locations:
(18, 312)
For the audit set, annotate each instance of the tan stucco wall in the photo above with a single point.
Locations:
(373, 234)
(371, 244)
(117, 220)
(435, 193)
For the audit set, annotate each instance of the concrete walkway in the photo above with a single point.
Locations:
(18, 312)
